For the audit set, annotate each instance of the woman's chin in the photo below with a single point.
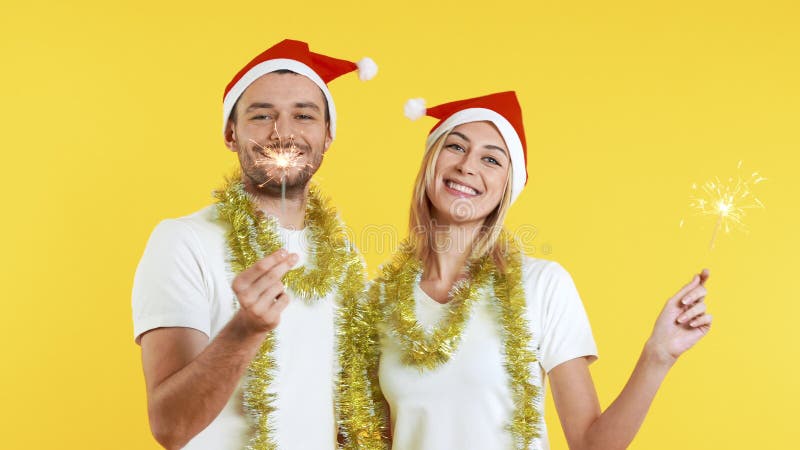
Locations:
(455, 215)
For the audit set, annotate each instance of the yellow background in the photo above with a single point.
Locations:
(111, 122)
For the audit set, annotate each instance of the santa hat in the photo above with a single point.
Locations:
(502, 109)
(295, 56)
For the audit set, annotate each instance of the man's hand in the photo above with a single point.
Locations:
(261, 293)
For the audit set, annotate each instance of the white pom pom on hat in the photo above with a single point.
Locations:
(415, 108)
(367, 69)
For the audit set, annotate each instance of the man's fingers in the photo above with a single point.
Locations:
(280, 304)
(269, 310)
(252, 273)
(271, 293)
(274, 275)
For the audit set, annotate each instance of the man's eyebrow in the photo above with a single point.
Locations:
(310, 105)
(260, 106)
(490, 147)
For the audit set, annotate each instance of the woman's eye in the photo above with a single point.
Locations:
(455, 147)
(491, 160)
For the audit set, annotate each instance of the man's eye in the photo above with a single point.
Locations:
(262, 117)
(304, 117)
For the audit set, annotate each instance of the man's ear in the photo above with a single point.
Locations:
(328, 141)
(230, 136)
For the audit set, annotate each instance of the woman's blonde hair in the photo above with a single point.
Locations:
(421, 224)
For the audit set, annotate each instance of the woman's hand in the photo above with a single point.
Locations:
(682, 322)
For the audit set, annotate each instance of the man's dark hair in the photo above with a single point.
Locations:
(232, 117)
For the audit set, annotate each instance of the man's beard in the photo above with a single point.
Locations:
(265, 178)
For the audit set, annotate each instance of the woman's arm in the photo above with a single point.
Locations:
(680, 325)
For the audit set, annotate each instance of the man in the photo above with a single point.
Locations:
(236, 307)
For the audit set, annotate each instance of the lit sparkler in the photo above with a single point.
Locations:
(278, 160)
(726, 201)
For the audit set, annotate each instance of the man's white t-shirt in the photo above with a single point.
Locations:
(466, 403)
(184, 280)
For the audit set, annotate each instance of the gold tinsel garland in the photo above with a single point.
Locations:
(419, 348)
(392, 295)
(362, 419)
(253, 236)
(519, 356)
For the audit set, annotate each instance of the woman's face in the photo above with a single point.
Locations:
(470, 175)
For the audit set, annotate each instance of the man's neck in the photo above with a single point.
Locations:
(290, 211)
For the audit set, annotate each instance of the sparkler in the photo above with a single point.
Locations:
(727, 201)
(278, 160)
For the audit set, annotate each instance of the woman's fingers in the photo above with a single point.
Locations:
(698, 280)
(685, 289)
(692, 313)
(704, 320)
(704, 274)
(694, 295)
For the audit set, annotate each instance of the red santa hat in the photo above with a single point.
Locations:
(502, 109)
(295, 56)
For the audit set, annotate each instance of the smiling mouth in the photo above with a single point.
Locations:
(461, 188)
(272, 154)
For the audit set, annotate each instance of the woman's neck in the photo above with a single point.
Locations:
(450, 248)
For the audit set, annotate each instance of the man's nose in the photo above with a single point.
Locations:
(281, 130)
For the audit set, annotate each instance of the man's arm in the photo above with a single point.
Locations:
(189, 380)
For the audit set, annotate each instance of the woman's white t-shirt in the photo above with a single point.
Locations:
(466, 403)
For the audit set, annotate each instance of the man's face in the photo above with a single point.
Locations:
(279, 113)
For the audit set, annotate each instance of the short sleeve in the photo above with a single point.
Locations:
(563, 323)
(169, 288)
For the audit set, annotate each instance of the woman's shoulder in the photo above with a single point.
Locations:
(546, 283)
(543, 271)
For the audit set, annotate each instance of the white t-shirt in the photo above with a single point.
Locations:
(466, 403)
(184, 280)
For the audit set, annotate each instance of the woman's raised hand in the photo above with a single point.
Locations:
(683, 321)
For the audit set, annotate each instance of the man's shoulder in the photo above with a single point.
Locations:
(203, 221)
(198, 228)
(203, 217)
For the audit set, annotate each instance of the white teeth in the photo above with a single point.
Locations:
(461, 188)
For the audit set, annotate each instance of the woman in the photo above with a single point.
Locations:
(467, 327)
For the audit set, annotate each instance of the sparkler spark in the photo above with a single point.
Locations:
(278, 160)
(727, 201)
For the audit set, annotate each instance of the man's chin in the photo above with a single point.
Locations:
(290, 183)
